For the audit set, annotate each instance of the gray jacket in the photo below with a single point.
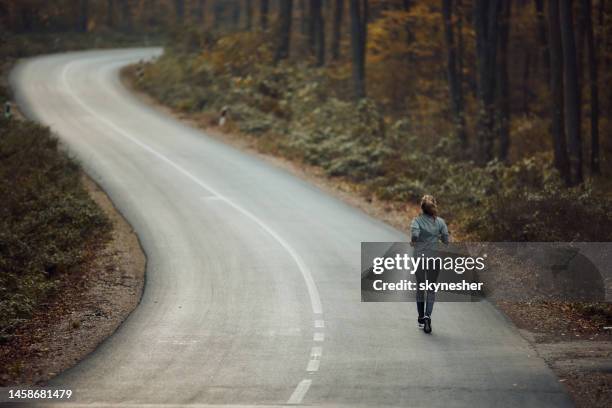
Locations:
(429, 230)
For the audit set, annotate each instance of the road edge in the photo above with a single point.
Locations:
(89, 307)
(87, 310)
(398, 217)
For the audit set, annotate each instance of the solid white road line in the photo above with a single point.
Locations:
(313, 293)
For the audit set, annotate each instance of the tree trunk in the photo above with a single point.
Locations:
(407, 5)
(84, 17)
(316, 32)
(486, 26)
(320, 34)
(359, 17)
(235, 10)
(286, 18)
(264, 9)
(503, 90)
(525, 80)
(218, 9)
(27, 16)
(337, 29)
(199, 11)
(540, 19)
(460, 47)
(572, 90)
(249, 14)
(454, 83)
(126, 15)
(304, 18)
(593, 85)
(579, 38)
(312, 25)
(110, 13)
(179, 9)
(556, 91)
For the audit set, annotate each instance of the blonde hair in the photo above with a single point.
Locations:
(429, 205)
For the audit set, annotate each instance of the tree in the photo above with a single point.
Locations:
(579, 38)
(454, 82)
(541, 28)
(264, 9)
(316, 31)
(126, 15)
(218, 14)
(460, 46)
(593, 79)
(249, 14)
(110, 13)
(286, 17)
(313, 5)
(407, 5)
(486, 13)
(571, 90)
(561, 160)
(303, 17)
(235, 10)
(199, 11)
(359, 34)
(84, 17)
(179, 9)
(503, 80)
(337, 29)
(320, 33)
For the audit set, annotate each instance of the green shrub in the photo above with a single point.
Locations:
(526, 201)
(47, 219)
(297, 110)
(551, 212)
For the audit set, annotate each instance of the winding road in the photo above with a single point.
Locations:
(252, 292)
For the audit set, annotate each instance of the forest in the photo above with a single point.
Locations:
(497, 107)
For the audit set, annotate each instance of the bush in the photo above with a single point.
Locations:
(526, 201)
(345, 140)
(544, 211)
(47, 219)
(298, 111)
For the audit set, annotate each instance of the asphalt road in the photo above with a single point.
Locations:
(252, 294)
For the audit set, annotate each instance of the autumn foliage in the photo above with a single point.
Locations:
(484, 103)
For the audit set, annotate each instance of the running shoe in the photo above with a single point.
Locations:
(427, 324)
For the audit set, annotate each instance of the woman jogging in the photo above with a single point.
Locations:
(427, 230)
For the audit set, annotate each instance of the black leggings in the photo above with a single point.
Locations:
(422, 276)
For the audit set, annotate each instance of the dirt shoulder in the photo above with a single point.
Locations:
(577, 350)
(87, 307)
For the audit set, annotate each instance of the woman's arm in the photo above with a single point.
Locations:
(444, 235)
(415, 230)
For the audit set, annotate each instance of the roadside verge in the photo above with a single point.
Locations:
(71, 267)
(85, 309)
(572, 343)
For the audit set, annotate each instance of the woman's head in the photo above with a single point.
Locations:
(429, 205)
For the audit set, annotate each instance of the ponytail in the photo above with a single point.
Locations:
(429, 206)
